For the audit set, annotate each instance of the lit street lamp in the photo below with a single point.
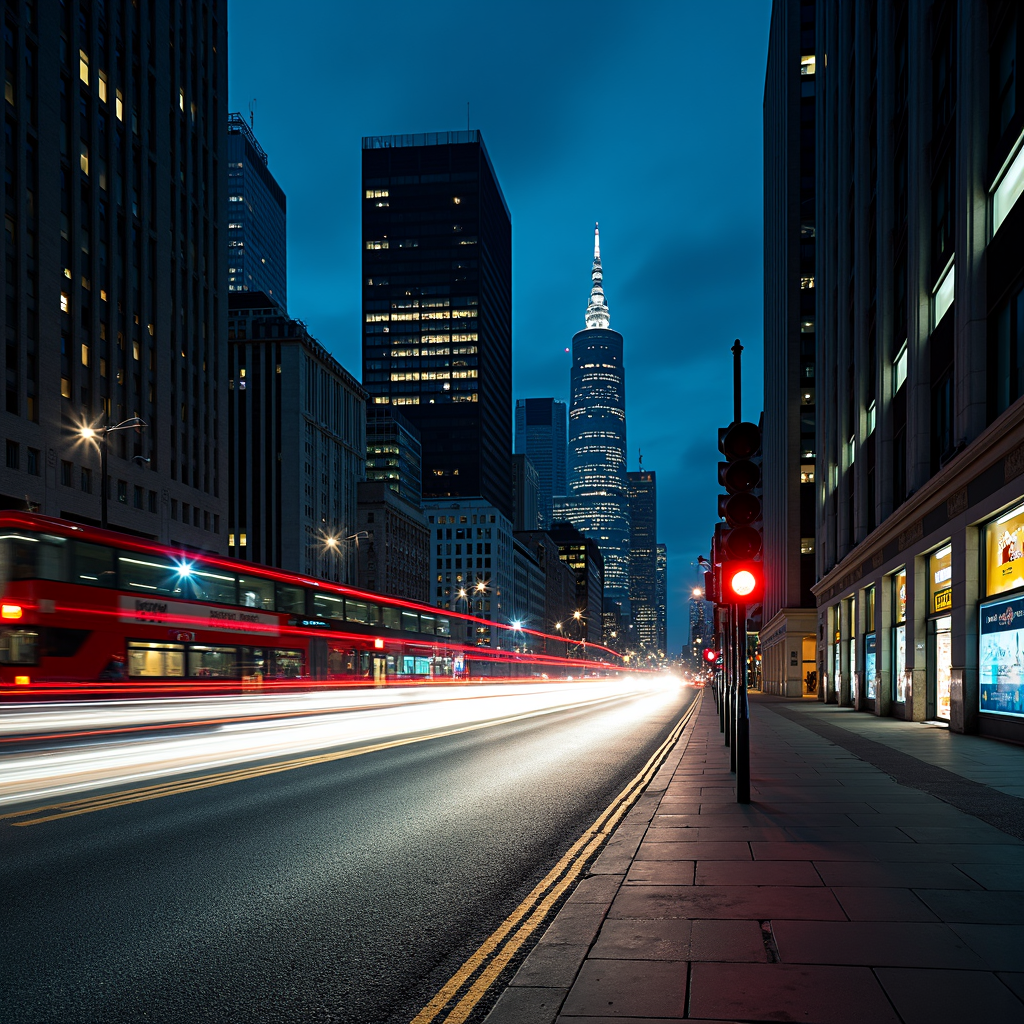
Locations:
(100, 434)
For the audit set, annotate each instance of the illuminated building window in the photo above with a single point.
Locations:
(83, 66)
(806, 283)
(377, 193)
(377, 244)
(806, 545)
(807, 473)
(899, 369)
(807, 65)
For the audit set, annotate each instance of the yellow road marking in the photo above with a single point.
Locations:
(536, 907)
(86, 805)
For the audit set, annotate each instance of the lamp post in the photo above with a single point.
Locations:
(100, 434)
(581, 619)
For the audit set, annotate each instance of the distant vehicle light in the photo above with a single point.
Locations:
(21, 680)
(11, 611)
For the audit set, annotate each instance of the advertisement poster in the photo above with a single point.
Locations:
(943, 668)
(1001, 657)
(899, 668)
(940, 576)
(1004, 552)
(899, 596)
(869, 666)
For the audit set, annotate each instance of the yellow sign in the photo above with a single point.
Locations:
(1004, 552)
(940, 578)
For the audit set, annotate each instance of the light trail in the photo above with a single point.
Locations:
(224, 731)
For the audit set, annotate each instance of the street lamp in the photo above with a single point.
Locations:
(100, 434)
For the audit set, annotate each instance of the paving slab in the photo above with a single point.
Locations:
(628, 988)
(937, 997)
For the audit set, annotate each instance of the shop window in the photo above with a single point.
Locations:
(940, 578)
(899, 636)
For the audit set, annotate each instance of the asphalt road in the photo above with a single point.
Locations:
(346, 891)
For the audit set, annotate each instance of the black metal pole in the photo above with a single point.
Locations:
(727, 679)
(735, 686)
(737, 348)
(742, 745)
(723, 656)
(103, 478)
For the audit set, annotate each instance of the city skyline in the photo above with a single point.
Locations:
(687, 281)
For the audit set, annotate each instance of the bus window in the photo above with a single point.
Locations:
(443, 627)
(410, 621)
(207, 585)
(254, 592)
(373, 614)
(92, 564)
(328, 606)
(150, 574)
(146, 659)
(285, 664)
(212, 662)
(355, 611)
(392, 618)
(18, 646)
(291, 599)
(428, 623)
(53, 558)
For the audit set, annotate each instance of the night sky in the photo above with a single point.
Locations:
(644, 116)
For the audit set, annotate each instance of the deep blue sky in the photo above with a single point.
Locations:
(643, 116)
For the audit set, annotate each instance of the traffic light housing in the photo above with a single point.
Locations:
(742, 582)
(740, 506)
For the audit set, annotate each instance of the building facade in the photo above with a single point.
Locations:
(116, 301)
(528, 593)
(394, 452)
(661, 597)
(643, 559)
(583, 556)
(598, 502)
(471, 560)
(437, 306)
(789, 448)
(525, 494)
(297, 440)
(257, 218)
(559, 585)
(920, 313)
(392, 543)
(541, 435)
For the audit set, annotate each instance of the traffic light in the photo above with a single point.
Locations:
(742, 582)
(740, 507)
(710, 655)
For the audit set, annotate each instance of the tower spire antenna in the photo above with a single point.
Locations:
(597, 308)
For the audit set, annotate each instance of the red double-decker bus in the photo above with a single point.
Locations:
(88, 612)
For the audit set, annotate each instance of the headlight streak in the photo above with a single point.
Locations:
(243, 732)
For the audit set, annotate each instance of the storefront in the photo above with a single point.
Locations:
(1001, 625)
(940, 624)
(899, 640)
(870, 646)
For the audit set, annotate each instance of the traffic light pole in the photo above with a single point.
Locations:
(741, 747)
(734, 691)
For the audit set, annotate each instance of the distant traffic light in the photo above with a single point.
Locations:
(742, 582)
(710, 655)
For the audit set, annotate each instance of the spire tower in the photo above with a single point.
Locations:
(597, 308)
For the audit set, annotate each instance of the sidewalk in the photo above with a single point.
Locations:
(837, 896)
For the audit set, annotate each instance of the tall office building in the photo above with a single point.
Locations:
(661, 597)
(788, 635)
(643, 559)
(525, 494)
(257, 216)
(598, 503)
(115, 158)
(541, 434)
(920, 328)
(437, 306)
(296, 436)
(583, 556)
(394, 452)
(702, 626)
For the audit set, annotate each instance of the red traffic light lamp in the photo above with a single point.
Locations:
(710, 656)
(742, 582)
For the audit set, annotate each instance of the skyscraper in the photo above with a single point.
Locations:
(116, 304)
(394, 452)
(788, 636)
(541, 434)
(643, 532)
(257, 216)
(597, 502)
(437, 306)
(661, 600)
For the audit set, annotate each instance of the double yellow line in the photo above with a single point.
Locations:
(484, 967)
(104, 801)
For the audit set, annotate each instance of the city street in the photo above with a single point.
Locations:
(348, 889)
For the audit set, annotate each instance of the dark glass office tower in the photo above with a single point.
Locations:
(598, 504)
(257, 218)
(643, 587)
(437, 306)
(541, 435)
